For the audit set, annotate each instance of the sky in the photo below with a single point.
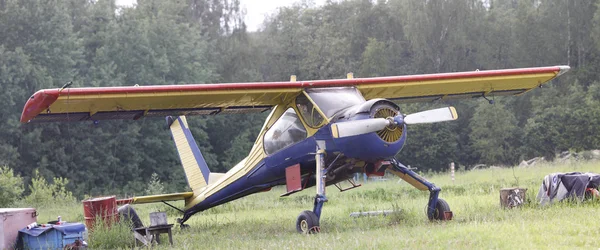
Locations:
(255, 9)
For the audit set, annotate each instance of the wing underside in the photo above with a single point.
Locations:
(102, 103)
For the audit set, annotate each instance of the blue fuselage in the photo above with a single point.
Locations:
(368, 148)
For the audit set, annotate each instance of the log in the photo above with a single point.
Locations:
(374, 213)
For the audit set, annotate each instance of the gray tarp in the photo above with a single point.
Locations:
(560, 186)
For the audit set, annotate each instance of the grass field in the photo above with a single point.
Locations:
(265, 221)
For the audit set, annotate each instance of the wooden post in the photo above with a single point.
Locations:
(452, 171)
(512, 197)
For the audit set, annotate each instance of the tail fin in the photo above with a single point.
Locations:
(194, 165)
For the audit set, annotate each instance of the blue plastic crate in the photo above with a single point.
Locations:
(52, 237)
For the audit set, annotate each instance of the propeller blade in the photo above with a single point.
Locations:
(358, 127)
(432, 116)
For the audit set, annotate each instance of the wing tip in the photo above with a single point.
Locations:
(37, 103)
(562, 69)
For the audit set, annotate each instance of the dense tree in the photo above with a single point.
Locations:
(45, 44)
(494, 134)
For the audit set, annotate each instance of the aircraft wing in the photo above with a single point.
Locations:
(461, 85)
(134, 102)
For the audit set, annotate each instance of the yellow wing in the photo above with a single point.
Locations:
(425, 88)
(80, 104)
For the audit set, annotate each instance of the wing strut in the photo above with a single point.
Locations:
(174, 207)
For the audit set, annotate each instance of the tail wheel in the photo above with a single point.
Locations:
(442, 211)
(307, 223)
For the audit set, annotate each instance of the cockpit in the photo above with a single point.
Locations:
(314, 107)
(332, 100)
(287, 130)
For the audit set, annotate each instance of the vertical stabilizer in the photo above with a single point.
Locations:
(194, 165)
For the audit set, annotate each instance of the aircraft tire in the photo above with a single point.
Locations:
(127, 213)
(440, 209)
(307, 223)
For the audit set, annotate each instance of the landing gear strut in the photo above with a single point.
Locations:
(181, 221)
(308, 221)
(437, 209)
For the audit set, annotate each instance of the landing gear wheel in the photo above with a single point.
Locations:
(440, 211)
(307, 223)
(181, 225)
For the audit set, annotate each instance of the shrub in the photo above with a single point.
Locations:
(44, 193)
(11, 186)
(154, 185)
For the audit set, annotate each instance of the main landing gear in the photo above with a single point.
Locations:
(308, 221)
(437, 209)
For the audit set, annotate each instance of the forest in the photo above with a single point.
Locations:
(91, 43)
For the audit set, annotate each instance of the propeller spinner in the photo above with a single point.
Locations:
(365, 126)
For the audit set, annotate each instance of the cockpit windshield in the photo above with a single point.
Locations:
(332, 100)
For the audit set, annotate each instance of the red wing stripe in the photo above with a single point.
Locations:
(302, 84)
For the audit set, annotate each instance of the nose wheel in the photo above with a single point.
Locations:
(307, 223)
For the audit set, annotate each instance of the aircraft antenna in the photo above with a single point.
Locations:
(66, 86)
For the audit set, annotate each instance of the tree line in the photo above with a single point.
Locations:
(45, 44)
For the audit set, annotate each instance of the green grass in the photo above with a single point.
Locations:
(265, 221)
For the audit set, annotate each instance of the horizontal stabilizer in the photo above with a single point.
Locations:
(158, 198)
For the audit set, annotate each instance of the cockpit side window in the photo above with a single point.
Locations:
(308, 111)
(284, 132)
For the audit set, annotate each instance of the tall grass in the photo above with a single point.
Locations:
(266, 221)
(113, 235)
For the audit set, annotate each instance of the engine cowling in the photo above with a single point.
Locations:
(391, 133)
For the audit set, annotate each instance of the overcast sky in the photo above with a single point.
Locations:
(255, 9)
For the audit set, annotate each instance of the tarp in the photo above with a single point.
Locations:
(559, 186)
(65, 228)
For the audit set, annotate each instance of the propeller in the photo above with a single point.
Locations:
(365, 126)
(432, 116)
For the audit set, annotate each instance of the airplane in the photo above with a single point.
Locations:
(318, 133)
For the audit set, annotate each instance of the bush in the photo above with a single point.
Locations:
(11, 187)
(154, 185)
(44, 193)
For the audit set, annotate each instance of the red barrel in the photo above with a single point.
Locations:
(103, 208)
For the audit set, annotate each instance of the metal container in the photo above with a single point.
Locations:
(11, 221)
(101, 208)
(158, 219)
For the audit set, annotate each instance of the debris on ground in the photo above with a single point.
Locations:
(576, 186)
(54, 235)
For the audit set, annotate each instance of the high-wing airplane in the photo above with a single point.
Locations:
(318, 133)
